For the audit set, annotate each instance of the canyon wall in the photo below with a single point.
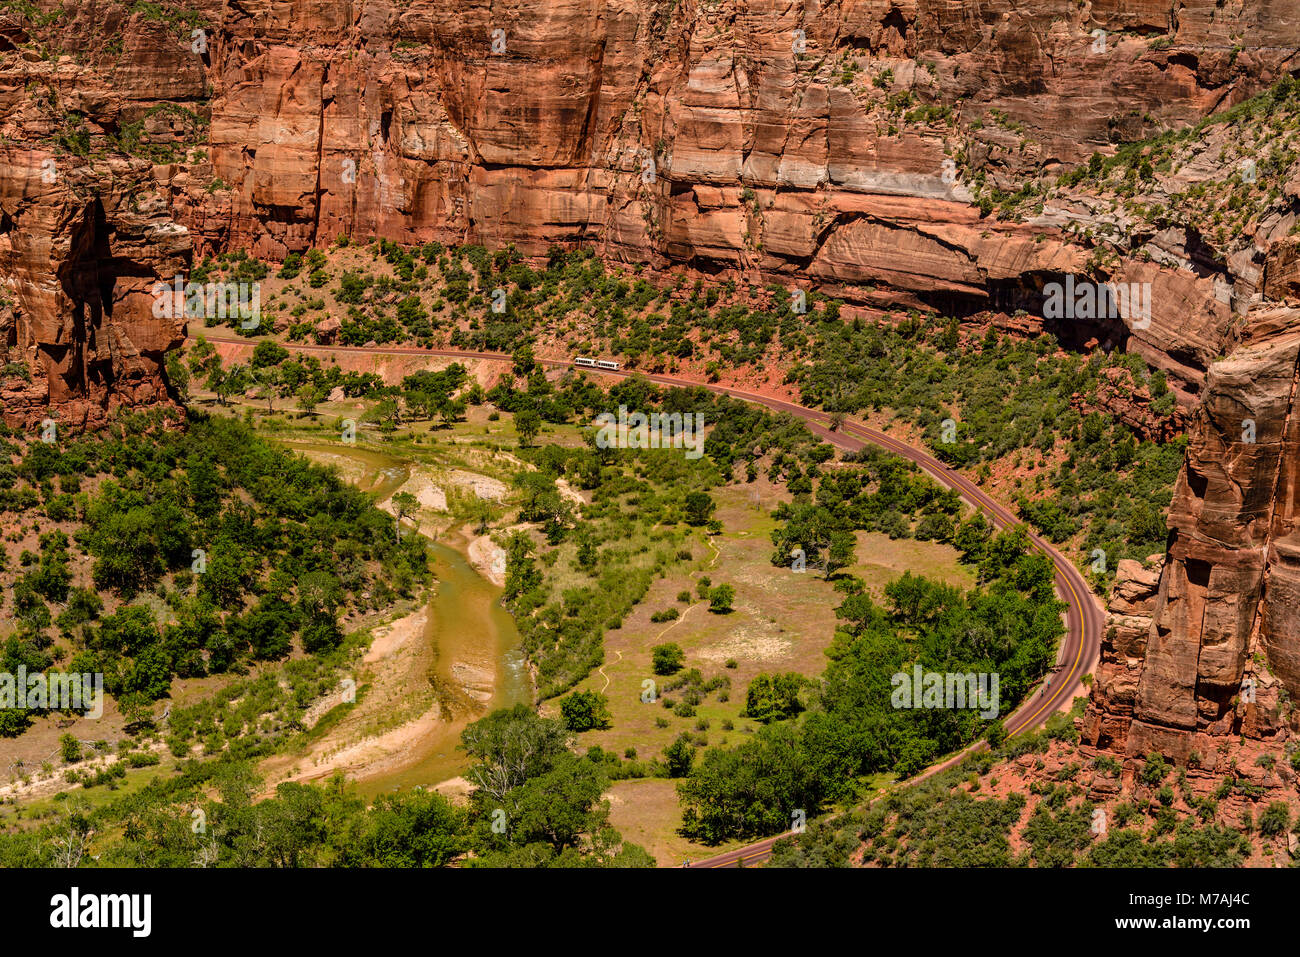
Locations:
(835, 144)
(80, 339)
(1202, 654)
(84, 234)
(824, 143)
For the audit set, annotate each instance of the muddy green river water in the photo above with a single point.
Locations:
(467, 631)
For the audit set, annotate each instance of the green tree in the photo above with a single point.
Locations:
(404, 505)
(679, 756)
(202, 356)
(587, 554)
(523, 360)
(178, 375)
(558, 807)
(417, 829)
(753, 789)
(815, 529)
(721, 598)
(527, 424)
(699, 507)
(268, 353)
(585, 711)
(69, 749)
(840, 553)
(386, 413)
(309, 397)
(511, 746)
(667, 658)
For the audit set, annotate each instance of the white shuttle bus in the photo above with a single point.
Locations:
(587, 363)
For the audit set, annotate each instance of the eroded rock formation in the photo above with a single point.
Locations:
(836, 143)
(79, 338)
(84, 232)
(803, 142)
(1208, 647)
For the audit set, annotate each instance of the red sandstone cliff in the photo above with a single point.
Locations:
(84, 231)
(837, 143)
(1209, 645)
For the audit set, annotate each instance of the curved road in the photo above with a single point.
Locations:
(1084, 619)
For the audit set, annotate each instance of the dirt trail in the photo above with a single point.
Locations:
(601, 671)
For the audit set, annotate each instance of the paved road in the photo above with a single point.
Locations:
(1084, 619)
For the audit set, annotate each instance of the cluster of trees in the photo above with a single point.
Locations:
(428, 394)
(250, 716)
(880, 492)
(699, 325)
(303, 825)
(1010, 398)
(253, 549)
(273, 374)
(1009, 627)
(739, 434)
(939, 824)
(427, 298)
(471, 298)
(536, 803)
(562, 631)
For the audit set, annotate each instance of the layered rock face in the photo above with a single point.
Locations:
(84, 236)
(79, 338)
(831, 143)
(827, 143)
(1208, 646)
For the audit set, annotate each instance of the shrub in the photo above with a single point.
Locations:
(773, 697)
(585, 711)
(1275, 819)
(667, 658)
(721, 599)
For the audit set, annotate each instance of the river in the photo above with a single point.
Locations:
(468, 632)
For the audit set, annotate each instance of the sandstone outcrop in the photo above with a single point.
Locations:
(837, 143)
(79, 337)
(85, 232)
(775, 139)
(1211, 650)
